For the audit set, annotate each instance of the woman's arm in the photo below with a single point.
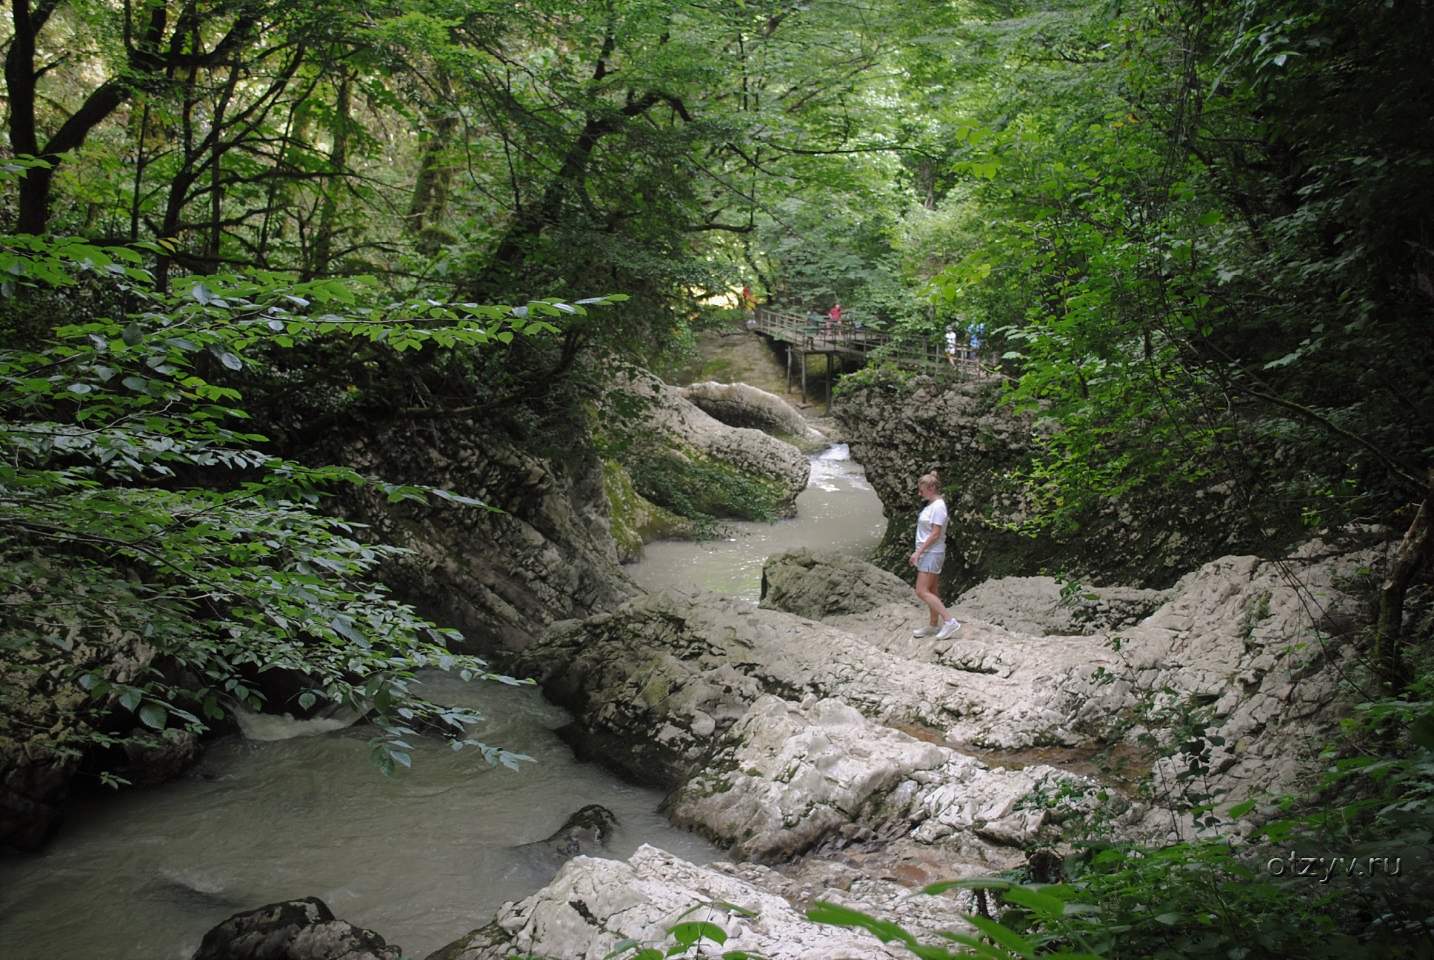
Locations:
(935, 535)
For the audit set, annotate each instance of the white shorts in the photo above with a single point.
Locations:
(931, 561)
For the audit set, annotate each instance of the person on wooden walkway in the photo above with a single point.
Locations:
(928, 558)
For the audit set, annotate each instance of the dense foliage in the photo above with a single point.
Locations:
(1198, 232)
(157, 563)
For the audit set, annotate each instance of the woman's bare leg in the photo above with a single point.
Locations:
(926, 592)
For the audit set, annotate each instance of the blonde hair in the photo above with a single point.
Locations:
(928, 481)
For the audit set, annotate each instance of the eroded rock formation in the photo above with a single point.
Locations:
(741, 405)
(858, 760)
(498, 575)
(670, 425)
(1145, 538)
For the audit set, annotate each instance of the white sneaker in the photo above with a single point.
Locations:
(948, 628)
(925, 632)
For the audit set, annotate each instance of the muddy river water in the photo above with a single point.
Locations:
(421, 858)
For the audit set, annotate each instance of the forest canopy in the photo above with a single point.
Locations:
(1197, 236)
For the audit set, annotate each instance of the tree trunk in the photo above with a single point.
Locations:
(338, 161)
(432, 186)
(1409, 560)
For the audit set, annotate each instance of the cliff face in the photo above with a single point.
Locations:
(500, 576)
(565, 518)
(898, 431)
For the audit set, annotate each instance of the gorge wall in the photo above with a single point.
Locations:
(899, 429)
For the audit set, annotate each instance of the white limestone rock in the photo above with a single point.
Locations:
(592, 905)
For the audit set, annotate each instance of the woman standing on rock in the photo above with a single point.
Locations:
(928, 557)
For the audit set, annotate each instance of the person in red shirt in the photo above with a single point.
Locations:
(834, 319)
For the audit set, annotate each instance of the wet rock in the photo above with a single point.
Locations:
(31, 797)
(154, 758)
(193, 889)
(594, 904)
(635, 519)
(740, 405)
(585, 832)
(821, 584)
(293, 930)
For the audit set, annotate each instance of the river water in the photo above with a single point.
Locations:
(837, 511)
(422, 858)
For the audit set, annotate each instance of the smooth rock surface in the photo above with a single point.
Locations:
(671, 415)
(821, 584)
(741, 405)
(1037, 605)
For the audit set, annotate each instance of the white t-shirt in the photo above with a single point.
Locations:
(950, 341)
(934, 514)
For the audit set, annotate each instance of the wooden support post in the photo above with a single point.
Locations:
(831, 358)
(804, 376)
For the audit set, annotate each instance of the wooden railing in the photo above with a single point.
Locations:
(811, 335)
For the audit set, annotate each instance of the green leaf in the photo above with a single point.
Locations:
(1037, 901)
(154, 715)
(686, 934)
(1005, 937)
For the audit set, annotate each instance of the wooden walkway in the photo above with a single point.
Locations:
(804, 337)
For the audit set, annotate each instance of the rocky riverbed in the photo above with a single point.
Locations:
(833, 756)
(846, 755)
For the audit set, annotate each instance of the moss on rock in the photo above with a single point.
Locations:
(636, 520)
(701, 488)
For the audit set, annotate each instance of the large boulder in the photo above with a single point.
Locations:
(740, 405)
(498, 575)
(592, 905)
(293, 930)
(820, 584)
(1042, 605)
(789, 777)
(683, 459)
